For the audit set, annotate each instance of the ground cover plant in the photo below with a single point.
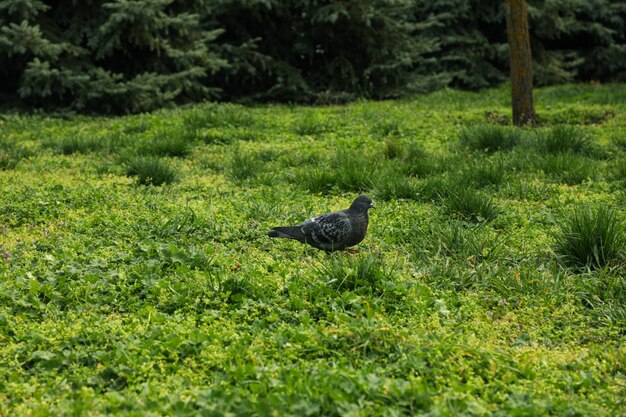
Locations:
(136, 277)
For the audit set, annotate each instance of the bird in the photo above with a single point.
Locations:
(331, 231)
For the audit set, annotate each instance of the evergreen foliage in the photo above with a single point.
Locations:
(470, 39)
(578, 40)
(121, 55)
(133, 56)
(305, 50)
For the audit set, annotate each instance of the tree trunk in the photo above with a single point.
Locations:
(521, 62)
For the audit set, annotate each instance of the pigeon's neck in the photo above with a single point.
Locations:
(361, 223)
(361, 215)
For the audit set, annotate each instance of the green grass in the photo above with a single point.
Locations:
(364, 274)
(590, 237)
(483, 172)
(150, 170)
(354, 170)
(470, 204)
(490, 138)
(491, 280)
(75, 144)
(245, 166)
(316, 179)
(388, 126)
(312, 124)
(166, 143)
(393, 148)
(621, 142)
(569, 168)
(11, 155)
(392, 184)
(413, 158)
(618, 169)
(565, 138)
(457, 239)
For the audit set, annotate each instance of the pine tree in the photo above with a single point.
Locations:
(132, 56)
(575, 40)
(470, 51)
(115, 56)
(306, 50)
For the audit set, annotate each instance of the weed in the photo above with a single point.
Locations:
(236, 288)
(490, 138)
(150, 170)
(304, 159)
(244, 166)
(76, 144)
(11, 155)
(618, 169)
(215, 124)
(268, 178)
(393, 148)
(417, 162)
(210, 115)
(590, 237)
(530, 278)
(166, 143)
(621, 142)
(604, 292)
(525, 189)
(194, 124)
(470, 204)
(569, 168)
(485, 172)
(361, 274)
(391, 184)
(184, 223)
(247, 134)
(136, 126)
(312, 125)
(433, 189)
(116, 140)
(168, 255)
(316, 179)
(388, 127)
(565, 139)
(523, 159)
(465, 242)
(585, 116)
(269, 208)
(214, 136)
(411, 156)
(355, 171)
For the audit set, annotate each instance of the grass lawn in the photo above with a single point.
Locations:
(136, 276)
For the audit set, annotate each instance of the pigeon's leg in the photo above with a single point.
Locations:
(352, 251)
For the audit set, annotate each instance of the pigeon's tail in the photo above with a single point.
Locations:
(288, 232)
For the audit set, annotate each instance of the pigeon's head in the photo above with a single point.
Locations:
(362, 203)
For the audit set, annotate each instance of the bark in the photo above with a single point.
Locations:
(521, 62)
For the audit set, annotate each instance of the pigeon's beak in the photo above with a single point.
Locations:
(372, 205)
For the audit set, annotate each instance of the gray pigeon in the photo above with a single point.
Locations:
(331, 231)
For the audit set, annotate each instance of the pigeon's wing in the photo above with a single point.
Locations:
(328, 228)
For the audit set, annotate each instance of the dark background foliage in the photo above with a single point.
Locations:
(131, 56)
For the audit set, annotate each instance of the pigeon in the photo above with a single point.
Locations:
(331, 231)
